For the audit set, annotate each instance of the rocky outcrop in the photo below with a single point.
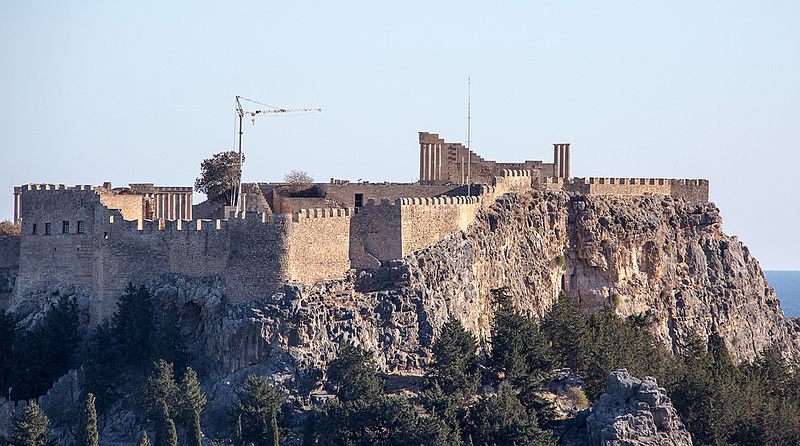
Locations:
(637, 254)
(635, 412)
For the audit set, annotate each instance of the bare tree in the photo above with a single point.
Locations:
(298, 181)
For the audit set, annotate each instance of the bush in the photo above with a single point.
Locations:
(8, 228)
(561, 261)
(578, 398)
(615, 300)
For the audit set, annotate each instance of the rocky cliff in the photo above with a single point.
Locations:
(633, 253)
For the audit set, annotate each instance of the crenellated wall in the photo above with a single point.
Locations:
(254, 253)
(691, 190)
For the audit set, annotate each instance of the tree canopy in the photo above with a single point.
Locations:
(219, 175)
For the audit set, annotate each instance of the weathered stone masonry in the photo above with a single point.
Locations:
(104, 238)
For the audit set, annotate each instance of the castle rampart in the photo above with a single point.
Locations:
(691, 190)
(104, 238)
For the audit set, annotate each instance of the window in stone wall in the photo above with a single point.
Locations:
(65, 228)
(81, 228)
(35, 229)
(359, 200)
(48, 229)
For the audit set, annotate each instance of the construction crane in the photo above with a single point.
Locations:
(241, 112)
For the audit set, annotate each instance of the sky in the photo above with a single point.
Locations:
(143, 91)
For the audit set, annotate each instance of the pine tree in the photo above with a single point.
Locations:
(354, 372)
(565, 327)
(257, 405)
(31, 428)
(8, 329)
(168, 343)
(134, 325)
(194, 436)
(143, 440)
(502, 419)
(455, 365)
(159, 387)
(238, 438)
(190, 398)
(87, 429)
(519, 350)
(166, 434)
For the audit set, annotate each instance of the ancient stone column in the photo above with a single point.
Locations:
(566, 161)
(438, 155)
(429, 170)
(556, 160)
(16, 206)
(422, 159)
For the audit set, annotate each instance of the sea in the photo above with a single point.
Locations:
(787, 288)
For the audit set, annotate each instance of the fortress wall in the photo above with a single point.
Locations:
(256, 261)
(318, 242)
(692, 191)
(425, 221)
(375, 234)
(344, 194)
(9, 252)
(57, 257)
(629, 186)
(126, 254)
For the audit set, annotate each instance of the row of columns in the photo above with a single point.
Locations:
(561, 160)
(430, 161)
(172, 206)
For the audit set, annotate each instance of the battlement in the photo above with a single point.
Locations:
(691, 190)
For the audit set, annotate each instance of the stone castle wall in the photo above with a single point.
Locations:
(253, 252)
(691, 190)
(9, 252)
(318, 244)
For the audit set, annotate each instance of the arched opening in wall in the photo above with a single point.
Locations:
(193, 326)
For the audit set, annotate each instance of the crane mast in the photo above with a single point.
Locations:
(241, 112)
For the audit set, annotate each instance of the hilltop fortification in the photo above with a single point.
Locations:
(104, 238)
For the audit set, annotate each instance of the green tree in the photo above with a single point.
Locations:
(31, 428)
(257, 405)
(455, 365)
(134, 325)
(168, 343)
(353, 371)
(522, 354)
(386, 420)
(143, 440)
(519, 350)
(102, 367)
(219, 176)
(190, 399)
(87, 427)
(194, 436)
(565, 327)
(8, 332)
(47, 351)
(502, 419)
(166, 435)
(160, 387)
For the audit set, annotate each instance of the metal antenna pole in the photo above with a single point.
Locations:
(239, 179)
(469, 129)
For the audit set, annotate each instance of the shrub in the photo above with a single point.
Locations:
(578, 398)
(561, 261)
(615, 300)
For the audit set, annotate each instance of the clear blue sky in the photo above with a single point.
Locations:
(143, 91)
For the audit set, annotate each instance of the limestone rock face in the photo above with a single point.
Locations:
(637, 254)
(635, 412)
